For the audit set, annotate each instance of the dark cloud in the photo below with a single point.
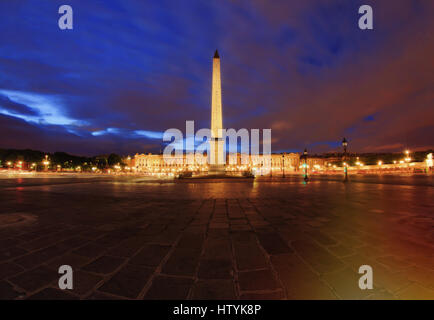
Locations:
(15, 108)
(302, 68)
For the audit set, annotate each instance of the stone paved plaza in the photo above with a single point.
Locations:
(134, 238)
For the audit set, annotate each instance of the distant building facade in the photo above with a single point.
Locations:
(156, 163)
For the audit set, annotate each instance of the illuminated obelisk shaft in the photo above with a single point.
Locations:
(217, 159)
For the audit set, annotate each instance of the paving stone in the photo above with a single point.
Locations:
(110, 240)
(348, 240)
(385, 278)
(238, 221)
(299, 281)
(415, 292)
(71, 259)
(74, 242)
(7, 291)
(218, 234)
(42, 242)
(102, 296)
(35, 279)
(128, 282)
(249, 256)
(341, 250)
(422, 276)
(346, 284)
(183, 261)
(91, 234)
(191, 241)
(381, 295)
(10, 242)
(300, 229)
(167, 237)
(241, 227)
(52, 294)
(215, 269)
(213, 290)
(30, 236)
(150, 255)
(217, 249)
(257, 280)
(83, 282)
(357, 260)
(90, 250)
(218, 225)
(319, 258)
(9, 269)
(243, 237)
(104, 265)
(273, 244)
(169, 288)
(278, 295)
(393, 262)
(322, 238)
(124, 251)
(38, 257)
(154, 229)
(292, 233)
(11, 252)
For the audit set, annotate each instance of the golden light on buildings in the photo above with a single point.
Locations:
(429, 160)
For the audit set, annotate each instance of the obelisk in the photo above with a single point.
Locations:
(217, 157)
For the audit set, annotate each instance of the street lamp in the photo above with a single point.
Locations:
(344, 145)
(46, 162)
(306, 178)
(429, 161)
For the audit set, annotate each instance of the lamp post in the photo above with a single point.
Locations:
(344, 145)
(429, 162)
(46, 162)
(407, 158)
(283, 165)
(306, 178)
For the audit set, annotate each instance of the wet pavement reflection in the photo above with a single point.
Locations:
(267, 238)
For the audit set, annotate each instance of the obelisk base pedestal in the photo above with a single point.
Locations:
(217, 169)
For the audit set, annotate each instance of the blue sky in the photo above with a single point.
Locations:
(131, 69)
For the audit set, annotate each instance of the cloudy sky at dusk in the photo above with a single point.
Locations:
(131, 69)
